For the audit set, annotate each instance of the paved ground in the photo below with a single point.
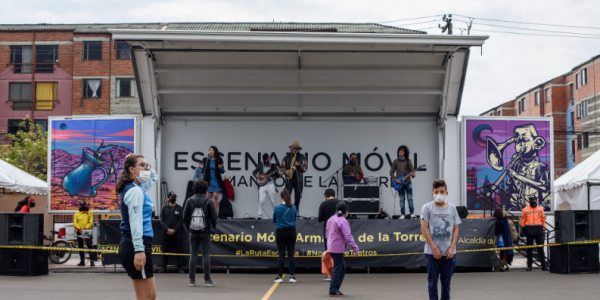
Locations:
(514, 285)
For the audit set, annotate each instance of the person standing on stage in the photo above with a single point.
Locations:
(439, 226)
(338, 236)
(83, 220)
(284, 217)
(294, 165)
(135, 248)
(326, 210)
(352, 168)
(212, 168)
(200, 218)
(24, 205)
(171, 219)
(400, 165)
(533, 222)
(268, 189)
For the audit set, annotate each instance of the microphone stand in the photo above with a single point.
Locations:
(334, 174)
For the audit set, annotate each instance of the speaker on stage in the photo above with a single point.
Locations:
(22, 229)
(564, 223)
(23, 262)
(570, 259)
(463, 213)
(595, 224)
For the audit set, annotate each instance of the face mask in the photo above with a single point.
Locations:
(144, 176)
(32, 205)
(439, 198)
(533, 203)
(173, 200)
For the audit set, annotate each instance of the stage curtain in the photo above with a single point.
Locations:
(45, 93)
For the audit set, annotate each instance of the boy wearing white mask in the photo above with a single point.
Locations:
(439, 226)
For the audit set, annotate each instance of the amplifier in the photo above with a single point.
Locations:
(360, 192)
(363, 207)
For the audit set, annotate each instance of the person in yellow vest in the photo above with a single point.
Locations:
(83, 220)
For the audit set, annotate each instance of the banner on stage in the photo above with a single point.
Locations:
(251, 243)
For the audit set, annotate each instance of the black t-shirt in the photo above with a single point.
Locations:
(327, 210)
(172, 217)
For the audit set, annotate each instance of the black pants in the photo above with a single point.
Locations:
(172, 244)
(539, 240)
(296, 186)
(286, 240)
(200, 243)
(88, 243)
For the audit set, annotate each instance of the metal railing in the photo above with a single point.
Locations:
(28, 68)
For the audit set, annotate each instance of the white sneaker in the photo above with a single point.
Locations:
(412, 216)
(402, 217)
(292, 279)
(278, 280)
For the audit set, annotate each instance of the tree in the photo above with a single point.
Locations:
(28, 150)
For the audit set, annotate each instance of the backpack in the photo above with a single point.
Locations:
(198, 221)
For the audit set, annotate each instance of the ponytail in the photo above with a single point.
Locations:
(341, 208)
(285, 195)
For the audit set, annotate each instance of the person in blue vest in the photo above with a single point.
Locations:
(135, 248)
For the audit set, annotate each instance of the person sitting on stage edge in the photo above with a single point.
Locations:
(352, 168)
(135, 248)
(84, 220)
(338, 236)
(326, 210)
(400, 165)
(294, 165)
(171, 219)
(268, 189)
(284, 217)
(200, 218)
(439, 226)
(212, 168)
(533, 222)
(198, 175)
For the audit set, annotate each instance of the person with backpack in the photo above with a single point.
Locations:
(200, 218)
(284, 217)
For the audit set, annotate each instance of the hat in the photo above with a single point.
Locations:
(296, 145)
(172, 194)
(31, 199)
(82, 203)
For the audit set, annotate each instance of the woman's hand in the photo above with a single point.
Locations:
(139, 261)
(220, 166)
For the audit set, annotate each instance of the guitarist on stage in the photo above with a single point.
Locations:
(399, 166)
(267, 172)
(293, 167)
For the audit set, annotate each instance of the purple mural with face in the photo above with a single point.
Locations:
(508, 162)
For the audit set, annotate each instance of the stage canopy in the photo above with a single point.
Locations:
(17, 180)
(579, 189)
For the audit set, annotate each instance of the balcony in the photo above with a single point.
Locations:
(26, 104)
(28, 68)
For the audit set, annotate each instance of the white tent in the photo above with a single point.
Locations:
(15, 179)
(579, 189)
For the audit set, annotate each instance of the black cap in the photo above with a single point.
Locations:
(82, 203)
(532, 198)
(172, 194)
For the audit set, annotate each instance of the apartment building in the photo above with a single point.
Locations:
(573, 101)
(63, 70)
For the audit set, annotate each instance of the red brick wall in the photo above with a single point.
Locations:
(90, 67)
(93, 106)
(120, 66)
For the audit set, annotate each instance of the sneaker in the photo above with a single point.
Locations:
(192, 282)
(327, 278)
(163, 270)
(278, 280)
(402, 217)
(292, 279)
(209, 282)
(412, 216)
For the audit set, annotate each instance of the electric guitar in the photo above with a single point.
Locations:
(402, 178)
(262, 179)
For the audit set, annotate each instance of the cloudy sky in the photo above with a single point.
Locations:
(510, 64)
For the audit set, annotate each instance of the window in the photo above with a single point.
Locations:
(92, 88)
(22, 58)
(43, 123)
(578, 108)
(45, 94)
(584, 76)
(123, 50)
(572, 121)
(125, 87)
(571, 87)
(45, 58)
(577, 81)
(547, 94)
(523, 103)
(20, 95)
(586, 139)
(13, 126)
(500, 113)
(584, 108)
(92, 50)
(573, 147)
(579, 141)
(537, 98)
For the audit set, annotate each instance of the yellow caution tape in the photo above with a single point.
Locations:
(301, 256)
